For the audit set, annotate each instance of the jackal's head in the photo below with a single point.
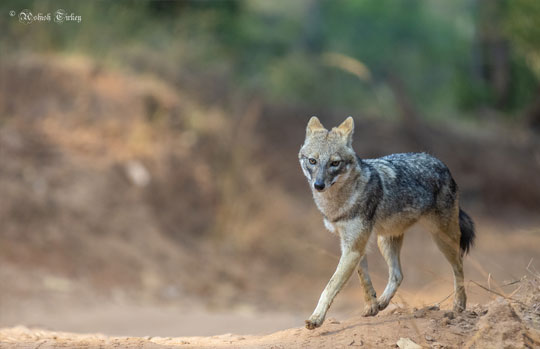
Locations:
(327, 157)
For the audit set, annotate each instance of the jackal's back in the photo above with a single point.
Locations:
(414, 183)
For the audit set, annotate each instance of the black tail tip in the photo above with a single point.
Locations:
(466, 225)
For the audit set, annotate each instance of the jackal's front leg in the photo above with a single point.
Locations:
(347, 263)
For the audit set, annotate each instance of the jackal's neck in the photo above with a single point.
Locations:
(345, 193)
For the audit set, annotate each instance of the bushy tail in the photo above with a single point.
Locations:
(466, 225)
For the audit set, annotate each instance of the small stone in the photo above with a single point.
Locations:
(407, 343)
(429, 338)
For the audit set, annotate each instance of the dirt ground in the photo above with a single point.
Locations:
(502, 323)
(420, 312)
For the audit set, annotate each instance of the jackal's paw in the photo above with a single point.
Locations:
(383, 303)
(459, 307)
(371, 309)
(313, 323)
(460, 300)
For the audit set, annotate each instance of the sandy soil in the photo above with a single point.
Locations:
(63, 315)
(149, 320)
(502, 323)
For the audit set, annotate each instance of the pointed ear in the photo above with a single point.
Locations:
(314, 125)
(347, 129)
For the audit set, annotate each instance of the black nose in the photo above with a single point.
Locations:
(319, 185)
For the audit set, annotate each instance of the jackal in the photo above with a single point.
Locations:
(386, 196)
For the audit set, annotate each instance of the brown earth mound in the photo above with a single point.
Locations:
(502, 323)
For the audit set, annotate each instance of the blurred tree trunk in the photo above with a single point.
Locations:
(408, 112)
(533, 114)
(410, 118)
(312, 29)
(492, 53)
(521, 26)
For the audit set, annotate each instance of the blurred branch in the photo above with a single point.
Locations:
(348, 64)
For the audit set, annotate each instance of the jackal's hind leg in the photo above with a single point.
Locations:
(390, 247)
(447, 239)
(370, 297)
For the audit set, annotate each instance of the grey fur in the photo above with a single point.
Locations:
(386, 195)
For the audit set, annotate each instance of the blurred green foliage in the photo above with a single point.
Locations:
(449, 57)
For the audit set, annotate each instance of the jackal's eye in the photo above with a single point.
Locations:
(335, 163)
(312, 161)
